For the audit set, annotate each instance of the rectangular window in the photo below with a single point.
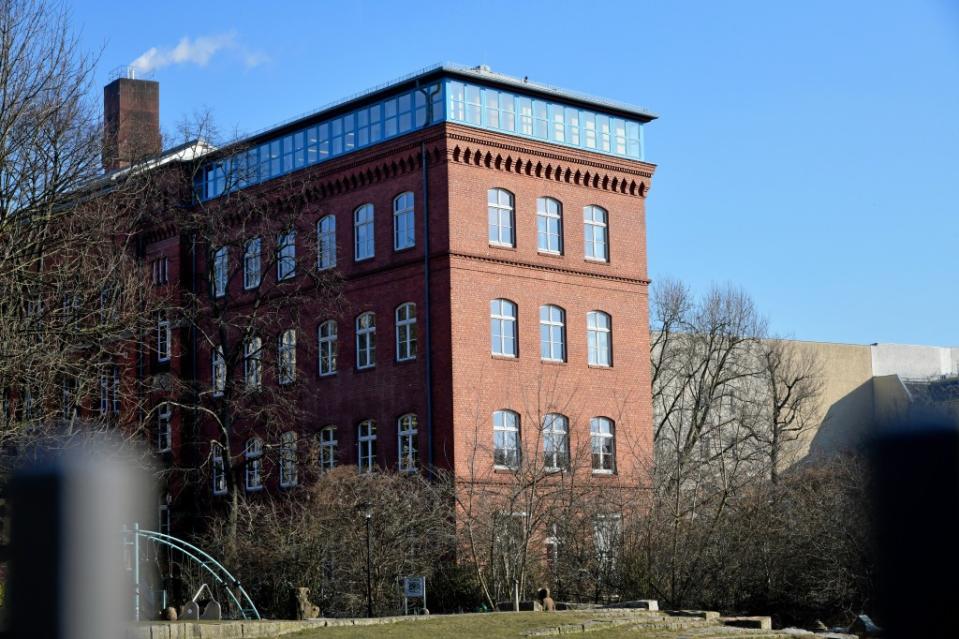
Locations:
(218, 470)
(286, 356)
(254, 464)
(164, 337)
(540, 120)
(252, 362)
(164, 428)
(366, 448)
(363, 232)
(288, 470)
(326, 243)
(506, 451)
(473, 104)
(407, 444)
(328, 448)
(406, 332)
(221, 272)
(218, 366)
(251, 263)
(327, 347)
(286, 255)
(525, 116)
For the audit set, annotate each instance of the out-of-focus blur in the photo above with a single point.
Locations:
(67, 576)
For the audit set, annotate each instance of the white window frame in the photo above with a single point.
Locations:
(288, 459)
(253, 468)
(326, 348)
(366, 341)
(607, 533)
(363, 224)
(252, 271)
(104, 391)
(326, 242)
(115, 399)
(602, 431)
(218, 468)
(552, 333)
(164, 337)
(498, 211)
(407, 443)
(596, 336)
(504, 328)
(405, 332)
(404, 221)
(595, 222)
(366, 446)
(549, 226)
(328, 448)
(555, 442)
(507, 451)
(286, 357)
(221, 271)
(253, 361)
(286, 255)
(218, 371)
(164, 428)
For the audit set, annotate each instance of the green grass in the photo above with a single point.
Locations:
(491, 625)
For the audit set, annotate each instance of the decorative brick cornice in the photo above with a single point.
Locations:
(543, 164)
(551, 269)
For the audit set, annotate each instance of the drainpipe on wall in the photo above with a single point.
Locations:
(427, 330)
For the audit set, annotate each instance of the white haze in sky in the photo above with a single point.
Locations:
(197, 51)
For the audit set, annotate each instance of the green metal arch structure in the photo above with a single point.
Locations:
(230, 584)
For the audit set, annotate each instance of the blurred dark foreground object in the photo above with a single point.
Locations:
(67, 576)
(916, 464)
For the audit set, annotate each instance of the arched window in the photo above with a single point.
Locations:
(407, 444)
(406, 332)
(499, 206)
(326, 242)
(549, 225)
(328, 445)
(286, 357)
(506, 451)
(326, 341)
(595, 231)
(603, 441)
(288, 470)
(599, 338)
(252, 362)
(404, 230)
(555, 441)
(254, 463)
(251, 263)
(221, 272)
(366, 446)
(363, 244)
(286, 255)
(503, 327)
(552, 333)
(366, 340)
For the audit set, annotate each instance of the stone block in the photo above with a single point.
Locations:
(760, 623)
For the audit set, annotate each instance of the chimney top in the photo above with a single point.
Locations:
(131, 119)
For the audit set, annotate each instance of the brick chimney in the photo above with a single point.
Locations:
(131, 121)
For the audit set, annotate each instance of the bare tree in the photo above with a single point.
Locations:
(71, 321)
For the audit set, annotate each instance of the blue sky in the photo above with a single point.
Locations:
(808, 151)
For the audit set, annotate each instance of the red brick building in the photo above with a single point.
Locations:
(491, 239)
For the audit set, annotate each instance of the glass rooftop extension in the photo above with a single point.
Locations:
(472, 96)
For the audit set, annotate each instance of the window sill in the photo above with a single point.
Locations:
(504, 358)
(220, 493)
(505, 247)
(255, 489)
(363, 259)
(330, 374)
(408, 360)
(503, 470)
(365, 369)
(600, 367)
(604, 473)
(595, 260)
(288, 278)
(552, 254)
(403, 249)
(553, 362)
(320, 267)
(288, 486)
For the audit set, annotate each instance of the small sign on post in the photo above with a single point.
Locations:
(414, 588)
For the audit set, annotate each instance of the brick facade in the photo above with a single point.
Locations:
(465, 274)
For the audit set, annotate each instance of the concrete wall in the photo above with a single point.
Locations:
(910, 361)
(845, 411)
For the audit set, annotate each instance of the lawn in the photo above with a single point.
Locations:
(515, 625)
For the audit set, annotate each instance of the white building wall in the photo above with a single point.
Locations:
(914, 362)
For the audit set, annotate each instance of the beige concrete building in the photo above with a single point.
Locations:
(866, 387)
